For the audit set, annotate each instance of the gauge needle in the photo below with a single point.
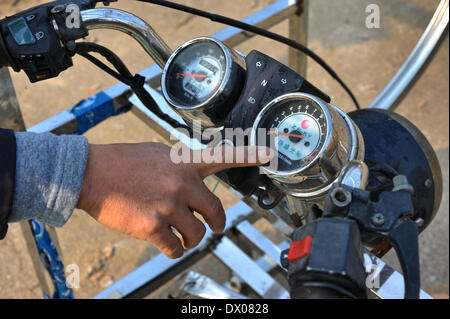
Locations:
(193, 75)
(286, 134)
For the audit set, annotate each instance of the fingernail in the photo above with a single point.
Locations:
(265, 154)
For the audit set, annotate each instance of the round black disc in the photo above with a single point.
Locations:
(391, 139)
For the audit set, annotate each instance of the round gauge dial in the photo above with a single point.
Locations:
(313, 141)
(296, 128)
(202, 79)
(195, 74)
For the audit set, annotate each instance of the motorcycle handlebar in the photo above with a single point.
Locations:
(151, 42)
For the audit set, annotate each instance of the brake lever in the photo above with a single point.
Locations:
(404, 238)
(390, 218)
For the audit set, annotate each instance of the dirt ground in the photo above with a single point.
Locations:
(365, 58)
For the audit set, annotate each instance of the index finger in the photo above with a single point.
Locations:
(220, 158)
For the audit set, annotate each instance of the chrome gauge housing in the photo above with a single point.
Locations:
(202, 79)
(313, 141)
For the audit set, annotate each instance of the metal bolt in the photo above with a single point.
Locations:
(235, 283)
(401, 184)
(378, 219)
(428, 183)
(420, 222)
(341, 197)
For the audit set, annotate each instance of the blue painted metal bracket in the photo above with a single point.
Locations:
(50, 259)
(93, 110)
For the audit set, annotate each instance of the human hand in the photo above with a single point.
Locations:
(136, 189)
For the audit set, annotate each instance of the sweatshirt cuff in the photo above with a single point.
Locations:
(7, 177)
(49, 176)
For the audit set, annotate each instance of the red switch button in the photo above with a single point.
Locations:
(300, 249)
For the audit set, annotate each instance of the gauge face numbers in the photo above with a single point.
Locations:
(297, 129)
(195, 74)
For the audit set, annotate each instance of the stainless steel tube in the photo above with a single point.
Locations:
(397, 88)
(114, 19)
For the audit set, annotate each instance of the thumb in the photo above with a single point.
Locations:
(220, 158)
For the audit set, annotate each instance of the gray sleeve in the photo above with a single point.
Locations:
(49, 175)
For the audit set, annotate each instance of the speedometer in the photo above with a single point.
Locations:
(196, 74)
(299, 129)
(313, 141)
(202, 79)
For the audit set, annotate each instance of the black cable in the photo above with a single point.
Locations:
(105, 68)
(86, 47)
(259, 31)
(135, 82)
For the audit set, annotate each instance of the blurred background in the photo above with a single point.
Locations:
(366, 59)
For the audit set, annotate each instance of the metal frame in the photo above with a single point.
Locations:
(78, 119)
(419, 58)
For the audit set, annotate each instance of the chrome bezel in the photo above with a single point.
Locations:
(220, 90)
(282, 98)
(356, 152)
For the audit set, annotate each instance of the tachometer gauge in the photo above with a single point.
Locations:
(202, 79)
(313, 141)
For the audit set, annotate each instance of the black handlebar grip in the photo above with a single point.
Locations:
(317, 292)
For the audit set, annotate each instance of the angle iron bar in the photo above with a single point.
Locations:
(246, 268)
(160, 264)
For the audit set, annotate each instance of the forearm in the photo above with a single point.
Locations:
(49, 175)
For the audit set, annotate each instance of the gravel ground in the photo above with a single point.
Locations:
(365, 58)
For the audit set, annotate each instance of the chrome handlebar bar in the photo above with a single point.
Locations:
(398, 87)
(141, 31)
